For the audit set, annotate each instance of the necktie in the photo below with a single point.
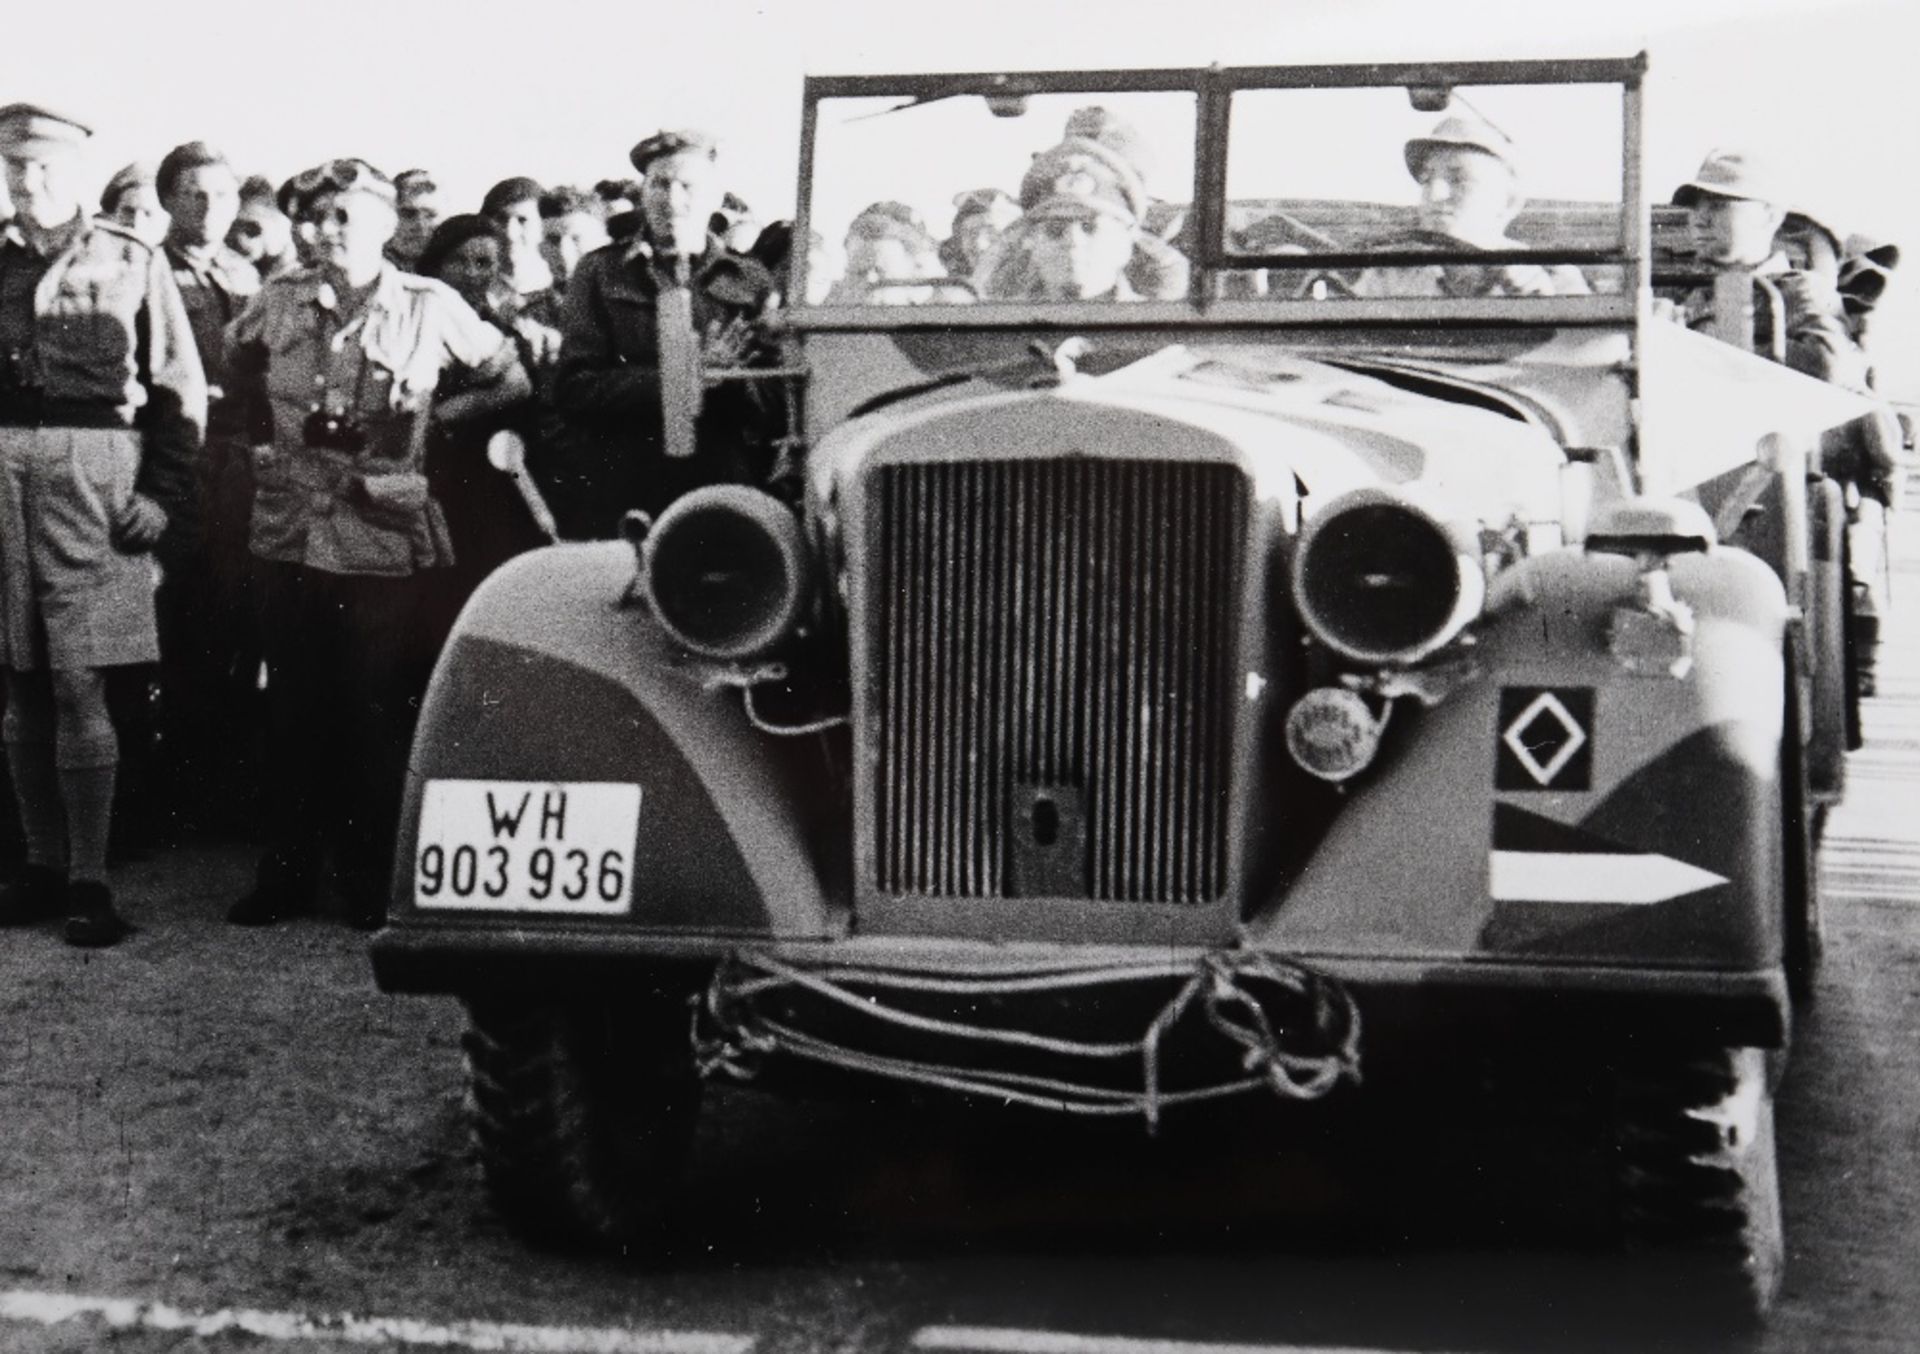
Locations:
(680, 377)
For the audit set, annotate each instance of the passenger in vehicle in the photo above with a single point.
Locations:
(1866, 267)
(892, 260)
(1470, 192)
(1736, 210)
(1080, 237)
(980, 217)
(1863, 454)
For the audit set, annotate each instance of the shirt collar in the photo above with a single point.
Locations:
(642, 247)
(385, 296)
(199, 255)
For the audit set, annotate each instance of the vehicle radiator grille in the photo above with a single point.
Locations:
(1051, 689)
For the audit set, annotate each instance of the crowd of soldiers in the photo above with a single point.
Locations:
(243, 437)
(244, 433)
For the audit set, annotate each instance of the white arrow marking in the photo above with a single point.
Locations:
(1593, 877)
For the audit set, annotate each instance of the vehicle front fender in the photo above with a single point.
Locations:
(552, 675)
(1668, 779)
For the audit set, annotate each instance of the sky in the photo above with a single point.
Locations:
(559, 89)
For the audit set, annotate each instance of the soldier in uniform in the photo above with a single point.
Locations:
(336, 367)
(420, 211)
(210, 655)
(1470, 194)
(102, 405)
(1736, 211)
(131, 199)
(646, 321)
(261, 233)
(1080, 236)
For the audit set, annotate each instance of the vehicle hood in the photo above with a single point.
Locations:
(1299, 427)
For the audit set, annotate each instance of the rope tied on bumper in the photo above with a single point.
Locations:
(1302, 1055)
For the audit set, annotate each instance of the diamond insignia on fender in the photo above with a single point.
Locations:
(1544, 725)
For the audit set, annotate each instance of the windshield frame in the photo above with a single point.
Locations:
(1214, 88)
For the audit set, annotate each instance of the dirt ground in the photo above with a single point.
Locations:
(215, 1117)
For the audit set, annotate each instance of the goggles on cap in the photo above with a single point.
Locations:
(343, 176)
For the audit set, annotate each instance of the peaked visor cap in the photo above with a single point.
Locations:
(1081, 177)
(1461, 133)
(672, 142)
(30, 131)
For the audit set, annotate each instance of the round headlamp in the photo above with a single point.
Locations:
(725, 569)
(1379, 579)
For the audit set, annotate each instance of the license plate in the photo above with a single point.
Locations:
(527, 846)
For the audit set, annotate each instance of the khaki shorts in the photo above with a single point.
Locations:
(68, 597)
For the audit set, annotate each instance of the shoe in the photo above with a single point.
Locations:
(38, 893)
(91, 921)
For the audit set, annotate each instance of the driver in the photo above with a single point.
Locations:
(1469, 195)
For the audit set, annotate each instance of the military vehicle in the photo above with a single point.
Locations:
(1193, 691)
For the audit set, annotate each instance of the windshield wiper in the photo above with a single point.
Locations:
(918, 101)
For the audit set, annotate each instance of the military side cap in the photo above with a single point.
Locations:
(1730, 173)
(139, 174)
(31, 131)
(1464, 134)
(672, 143)
(1081, 177)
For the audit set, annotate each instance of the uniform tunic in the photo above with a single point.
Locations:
(607, 388)
(102, 398)
(215, 284)
(291, 354)
(1814, 339)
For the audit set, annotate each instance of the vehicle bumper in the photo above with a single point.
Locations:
(1748, 1008)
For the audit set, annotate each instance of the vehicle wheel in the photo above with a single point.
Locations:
(1696, 1178)
(582, 1115)
(1803, 924)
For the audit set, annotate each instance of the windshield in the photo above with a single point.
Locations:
(1532, 172)
(1336, 187)
(1053, 196)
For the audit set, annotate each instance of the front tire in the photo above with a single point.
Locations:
(582, 1115)
(1696, 1177)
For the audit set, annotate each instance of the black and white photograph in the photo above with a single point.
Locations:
(854, 677)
